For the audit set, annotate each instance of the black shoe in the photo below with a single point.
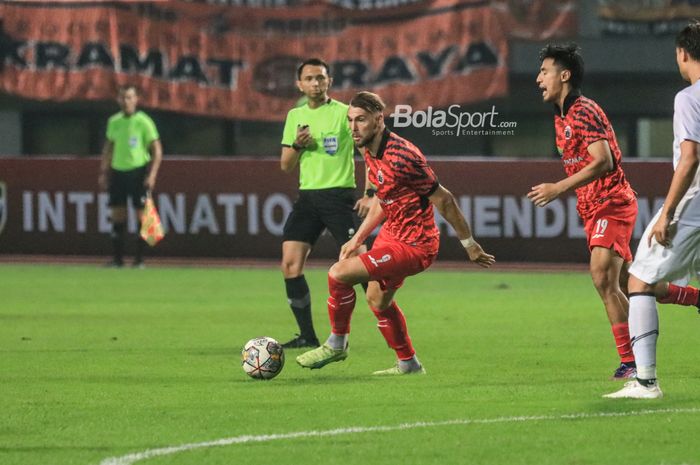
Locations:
(114, 264)
(300, 342)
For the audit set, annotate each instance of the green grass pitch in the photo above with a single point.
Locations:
(99, 363)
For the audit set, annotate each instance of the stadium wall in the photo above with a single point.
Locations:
(236, 208)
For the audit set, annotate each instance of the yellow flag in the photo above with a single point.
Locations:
(151, 228)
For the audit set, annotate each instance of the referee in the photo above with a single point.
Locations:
(130, 161)
(317, 138)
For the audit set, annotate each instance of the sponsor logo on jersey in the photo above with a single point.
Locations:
(330, 144)
(3, 205)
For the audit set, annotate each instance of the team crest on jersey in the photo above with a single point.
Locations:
(380, 177)
(567, 132)
(330, 144)
(3, 205)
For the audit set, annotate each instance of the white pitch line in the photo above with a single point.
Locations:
(150, 453)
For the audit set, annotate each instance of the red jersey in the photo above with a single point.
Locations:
(584, 122)
(404, 182)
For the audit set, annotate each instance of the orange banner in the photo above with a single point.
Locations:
(239, 62)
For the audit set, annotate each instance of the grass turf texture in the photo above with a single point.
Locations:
(101, 363)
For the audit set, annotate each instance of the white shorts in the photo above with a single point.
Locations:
(675, 263)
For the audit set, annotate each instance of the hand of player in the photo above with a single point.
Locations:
(544, 193)
(363, 205)
(478, 256)
(304, 138)
(348, 249)
(150, 182)
(660, 232)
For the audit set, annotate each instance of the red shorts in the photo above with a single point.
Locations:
(391, 261)
(612, 227)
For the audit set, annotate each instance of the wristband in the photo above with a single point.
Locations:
(297, 147)
(370, 192)
(468, 242)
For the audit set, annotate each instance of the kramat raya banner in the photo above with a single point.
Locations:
(239, 62)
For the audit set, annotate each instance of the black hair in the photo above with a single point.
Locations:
(312, 62)
(566, 56)
(689, 39)
(126, 87)
(368, 101)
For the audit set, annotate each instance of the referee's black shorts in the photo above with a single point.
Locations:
(125, 184)
(316, 210)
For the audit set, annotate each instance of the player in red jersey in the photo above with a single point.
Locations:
(605, 201)
(407, 190)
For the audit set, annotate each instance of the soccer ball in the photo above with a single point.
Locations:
(262, 358)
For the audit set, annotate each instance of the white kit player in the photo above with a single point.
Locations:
(670, 247)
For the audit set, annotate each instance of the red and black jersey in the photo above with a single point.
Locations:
(583, 123)
(404, 182)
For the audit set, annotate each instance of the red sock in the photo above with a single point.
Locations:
(392, 325)
(340, 305)
(680, 295)
(621, 331)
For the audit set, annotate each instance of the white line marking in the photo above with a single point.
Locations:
(150, 453)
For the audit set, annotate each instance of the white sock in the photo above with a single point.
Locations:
(644, 331)
(337, 341)
(412, 364)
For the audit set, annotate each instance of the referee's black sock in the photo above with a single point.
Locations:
(118, 230)
(300, 300)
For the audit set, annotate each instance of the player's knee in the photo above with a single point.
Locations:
(291, 268)
(339, 272)
(602, 281)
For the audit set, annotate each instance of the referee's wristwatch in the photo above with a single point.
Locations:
(297, 147)
(370, 192)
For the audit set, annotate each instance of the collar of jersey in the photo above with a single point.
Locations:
(382, 144)
(327, 102)
(568, 101)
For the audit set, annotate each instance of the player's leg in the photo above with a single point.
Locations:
(675, 293)
(644, 327)
(337, 214)
(138, 194)
(342, 276)
(653, 264)
(294, 255)
(301, 230)
(392, 324)
(605, 267)
(117, 204)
